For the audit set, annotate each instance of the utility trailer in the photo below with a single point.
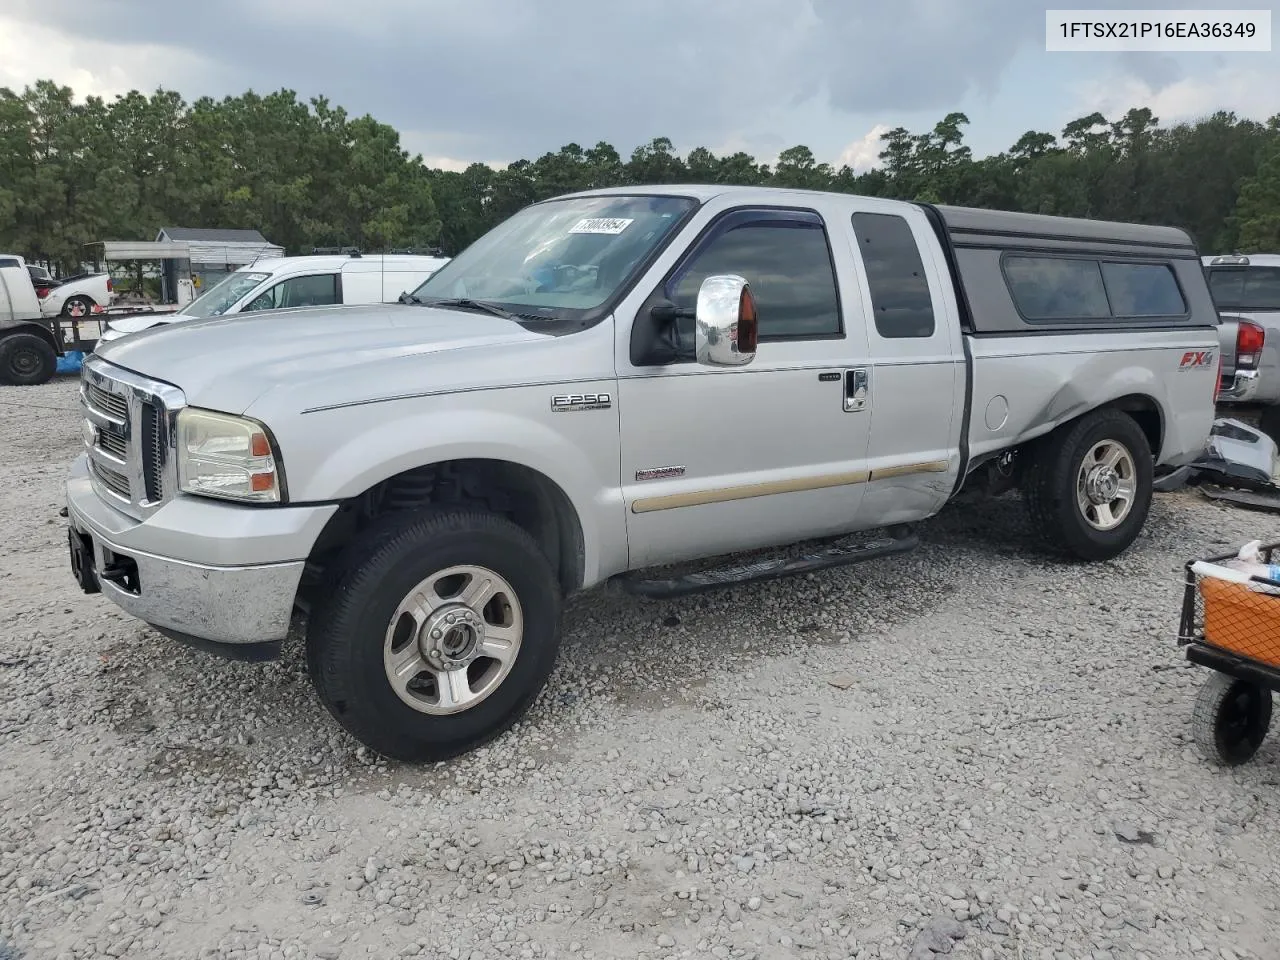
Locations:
(31, 343)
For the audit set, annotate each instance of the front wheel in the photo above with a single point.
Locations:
(436, 634)
(1089, 485)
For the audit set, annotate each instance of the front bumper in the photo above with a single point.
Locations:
(236, 579)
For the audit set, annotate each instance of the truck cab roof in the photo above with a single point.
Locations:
(971, 221)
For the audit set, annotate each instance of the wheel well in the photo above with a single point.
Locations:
(1146, 413)
(531, 500)
(44, 333)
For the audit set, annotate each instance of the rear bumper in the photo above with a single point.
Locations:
(227, 602)
(1242, 388)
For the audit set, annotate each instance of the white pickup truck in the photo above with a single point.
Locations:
(613, 382)
(30, 339)
(77, 297)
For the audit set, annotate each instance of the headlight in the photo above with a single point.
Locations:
(227, 457)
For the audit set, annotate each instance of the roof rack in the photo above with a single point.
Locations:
(349, 251)
(416, 251)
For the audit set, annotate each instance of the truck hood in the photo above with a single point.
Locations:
(145, 321)
(226, 363)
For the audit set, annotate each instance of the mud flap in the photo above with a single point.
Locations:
(1173, 480)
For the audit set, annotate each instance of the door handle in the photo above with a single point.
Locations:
(855, 390)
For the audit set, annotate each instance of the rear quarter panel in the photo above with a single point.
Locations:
(1025, 386)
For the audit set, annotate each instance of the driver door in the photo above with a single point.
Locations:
(308, 290)
(720, 459)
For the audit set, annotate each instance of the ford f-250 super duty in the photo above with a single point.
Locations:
(613, 382)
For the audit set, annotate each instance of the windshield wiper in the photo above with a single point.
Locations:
(409, 298)
(468, 303)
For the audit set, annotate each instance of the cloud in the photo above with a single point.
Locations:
(453, 163)
(917, 54)
(511, 78)
(1249, 90)
(30, 51)
(864, 153)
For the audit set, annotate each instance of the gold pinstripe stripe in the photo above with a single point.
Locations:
(696, 498)
(906, 469)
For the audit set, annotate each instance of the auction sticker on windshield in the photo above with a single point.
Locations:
(609, 225)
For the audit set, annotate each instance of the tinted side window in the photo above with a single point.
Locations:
(1055, 288)
(787, 264)
(1227, 287)
(311, 291)
(895, 275)
(1142, 290)
(1262, 288)
(314, 291)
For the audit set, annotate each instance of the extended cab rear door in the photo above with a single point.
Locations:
(916, 372)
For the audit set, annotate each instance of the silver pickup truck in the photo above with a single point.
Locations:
(1246, 290)
(614, 382)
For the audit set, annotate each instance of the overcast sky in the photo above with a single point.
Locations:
(497, 80)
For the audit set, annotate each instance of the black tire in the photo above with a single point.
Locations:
(1050, 485)
(347, 630)
(86, 302)
(26, 360)
(1231, 719)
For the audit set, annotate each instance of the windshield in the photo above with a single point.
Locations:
(559, 258)
(222, 295)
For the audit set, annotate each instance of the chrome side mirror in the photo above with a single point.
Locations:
(725, 326)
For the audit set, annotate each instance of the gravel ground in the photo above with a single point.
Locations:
(969, 751)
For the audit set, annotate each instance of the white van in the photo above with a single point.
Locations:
(308, 281)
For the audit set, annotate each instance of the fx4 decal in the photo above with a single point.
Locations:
(1195, 359)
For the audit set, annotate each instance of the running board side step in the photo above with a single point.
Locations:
(770, 569)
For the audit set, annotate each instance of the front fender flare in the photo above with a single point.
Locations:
(373, 454)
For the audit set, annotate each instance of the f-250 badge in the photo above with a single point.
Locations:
(1194, 359)
(581, 401)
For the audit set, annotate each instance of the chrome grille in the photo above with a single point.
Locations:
(112, 404)
(126, 436)
(116, 482)
(113, 444)
(152, 451)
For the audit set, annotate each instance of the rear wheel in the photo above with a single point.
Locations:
(26, 360)
(436, 633)
(77, 307)
(1089, 485)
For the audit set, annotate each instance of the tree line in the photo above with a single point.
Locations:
(308, 175)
